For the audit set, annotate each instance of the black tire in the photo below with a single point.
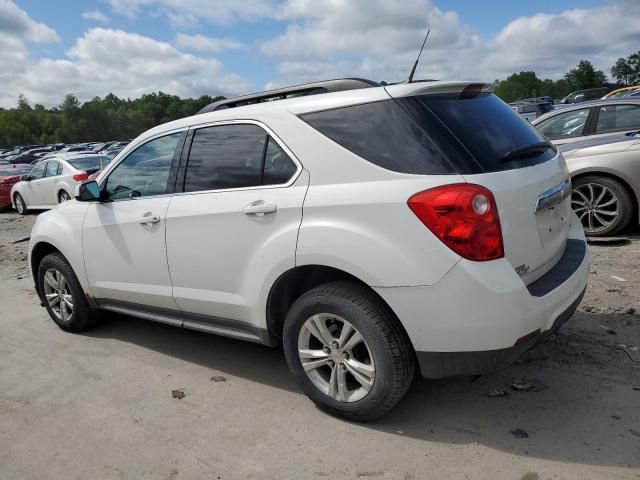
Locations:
(20, 204)
(82, 317)
(387, 341)
(63, 196)
(625, 203)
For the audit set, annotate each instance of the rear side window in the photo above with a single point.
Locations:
(235, 156)
(435, 134)
(618, 117)
(563, 125)
(52, 169)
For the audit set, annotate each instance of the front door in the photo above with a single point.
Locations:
(235, 226)
(124, 235)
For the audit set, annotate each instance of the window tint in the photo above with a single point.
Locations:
(38, 171)
(145, 171)
(52, 169)
(228, 156)
(278, 167)
(618, 117)
(433, 134)
(567, 124)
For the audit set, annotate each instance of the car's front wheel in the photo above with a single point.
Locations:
(20, 204)
(62, 294)
(602, 204)
(347, 351)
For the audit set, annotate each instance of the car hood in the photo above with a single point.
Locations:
(597, 146)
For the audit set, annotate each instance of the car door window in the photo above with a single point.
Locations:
(52, 169)
(567, 124)
(145, 171)
(227, 156)
(618, 117)
(38, 171)
(278, 167)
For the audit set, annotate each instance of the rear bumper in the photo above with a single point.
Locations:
(449, 364)
(481, 314)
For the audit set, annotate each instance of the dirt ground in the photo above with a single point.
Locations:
(99, 405)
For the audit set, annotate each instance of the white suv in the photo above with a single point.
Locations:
(369, 232)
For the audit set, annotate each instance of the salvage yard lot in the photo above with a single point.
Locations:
(100, 404)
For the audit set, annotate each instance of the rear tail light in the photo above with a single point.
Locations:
(464, 217)
(81, 177)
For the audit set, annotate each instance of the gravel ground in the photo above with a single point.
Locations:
(99, 404)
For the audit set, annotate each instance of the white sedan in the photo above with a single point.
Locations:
(54, 180)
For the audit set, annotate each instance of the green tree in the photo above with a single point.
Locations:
(585, 76)
(622, 71)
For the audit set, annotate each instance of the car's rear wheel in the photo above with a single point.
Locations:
(62, 294)
(63, 196)
(347, 351)
(603, 205)
(20, 204)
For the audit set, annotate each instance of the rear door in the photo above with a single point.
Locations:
(235, 224)
(612, 120)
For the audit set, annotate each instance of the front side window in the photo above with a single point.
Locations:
(38, 171)
(567, 124)
(235, 156)
(618, 117)
(145, 171)
(52, 169)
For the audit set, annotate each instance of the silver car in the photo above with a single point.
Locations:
(605, 172)
(600, 118)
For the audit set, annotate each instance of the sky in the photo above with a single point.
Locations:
(49, 48)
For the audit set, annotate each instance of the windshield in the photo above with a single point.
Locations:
(10, 172)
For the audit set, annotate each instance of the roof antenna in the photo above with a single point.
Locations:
(415, 65)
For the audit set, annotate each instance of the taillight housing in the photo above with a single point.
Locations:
(81, 176)
(464, 217)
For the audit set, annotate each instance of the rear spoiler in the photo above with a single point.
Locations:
(434, 88)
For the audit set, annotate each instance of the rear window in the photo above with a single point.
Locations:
(10, 172)
(435, 134)
(93, 162)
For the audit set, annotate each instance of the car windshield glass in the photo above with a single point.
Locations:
(93, 162)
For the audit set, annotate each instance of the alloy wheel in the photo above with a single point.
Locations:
(58, 294)
(20, 206)
(596, 205)
(336, 357)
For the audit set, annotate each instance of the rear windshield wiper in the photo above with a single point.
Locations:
(530, 151)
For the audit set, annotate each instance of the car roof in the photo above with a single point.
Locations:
(589, 104)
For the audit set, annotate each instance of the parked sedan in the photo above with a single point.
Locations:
(54, 181)
(605, 174)
(9, 176)
(601, 118)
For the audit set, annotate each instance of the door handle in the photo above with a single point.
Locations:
(149, 219)
(260, 208)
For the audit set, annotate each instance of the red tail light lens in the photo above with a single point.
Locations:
(81, 177)
(464, 217)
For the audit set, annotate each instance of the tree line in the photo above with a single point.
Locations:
(99, 119)
(626, 71)
(114, 118)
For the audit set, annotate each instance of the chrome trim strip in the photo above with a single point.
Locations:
(554, 195)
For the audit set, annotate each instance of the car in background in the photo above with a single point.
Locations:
(584, 95)
(9, 176)
(633, 93)
(621, 92)
(605, 175)
(601, 118)
(54, 180)
(531, 110)
(29, 156)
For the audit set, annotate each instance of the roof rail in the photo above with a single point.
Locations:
(314, 88)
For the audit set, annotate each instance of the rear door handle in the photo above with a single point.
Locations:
(260, 208)
(149, 219)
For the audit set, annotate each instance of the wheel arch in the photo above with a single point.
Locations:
(298, 280)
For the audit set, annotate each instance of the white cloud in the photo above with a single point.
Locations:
(379, 39)
(15, 22)
(203, 43)
(96, 16)
(127, 64)
(187, 13)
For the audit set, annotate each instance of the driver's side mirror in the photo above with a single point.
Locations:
(88, 192)
(25, 178)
